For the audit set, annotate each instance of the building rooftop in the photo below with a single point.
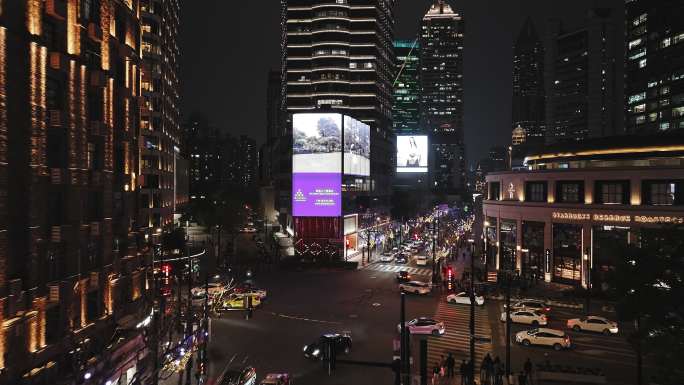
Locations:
(440, 9)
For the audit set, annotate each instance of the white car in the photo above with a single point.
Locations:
(415, 287)
(530, 304)
(248, 230)
(593, 324)
(386, 257)
(421, 260)
(214, 288)
(464, 299)
(529, 317)
(543, 336)
(424, 325)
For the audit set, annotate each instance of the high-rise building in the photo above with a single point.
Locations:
(247, 161)
(580, 80)
(72, 263)
(405, 110)
(654, 66)
(160, 111)
(528, 84)
(441, 104)
(519, 136)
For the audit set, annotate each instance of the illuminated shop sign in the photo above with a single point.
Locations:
(617, 218)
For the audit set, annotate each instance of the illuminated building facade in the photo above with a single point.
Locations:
(565, 217)
(528, 85)
(405, 110)
(160, 113)
(580, 80)
(654, 66)
(441, 104)
(72, 264)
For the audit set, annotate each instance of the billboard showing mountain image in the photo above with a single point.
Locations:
(317, 143)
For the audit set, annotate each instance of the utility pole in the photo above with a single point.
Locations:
(472, 318)
(189, 323)
(405, 359)
(155, 328)
(508, 323)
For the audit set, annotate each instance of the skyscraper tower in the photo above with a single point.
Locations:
(654, 66)
(580, 80)
(441, 105)
(528, 85)
(160, 111)
(406, 107)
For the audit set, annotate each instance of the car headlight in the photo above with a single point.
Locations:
(316, 352)
(305, 347)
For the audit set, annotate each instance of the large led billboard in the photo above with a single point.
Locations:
(356, 147)
(412, 153)
(316, 195)
(316, 143)
(317, 165)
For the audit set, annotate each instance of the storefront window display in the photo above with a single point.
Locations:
(567, 253)
(490, 233)
(533, 250)
(608, 241)
(508, 233)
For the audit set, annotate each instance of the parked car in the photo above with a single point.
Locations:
(464, 298)
(424, 325)
(544, 336)
(277, 379)
(421, 260)
(237, 376)
(529, 317)
(593, 324)
(386, 257)
(415, 287)
(342, 343)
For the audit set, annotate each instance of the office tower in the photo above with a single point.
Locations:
(519, 136)
(246, 161)
(528, 84)
(339, 54)
(405, 110)
(160, 111)
(441, 105)
(654, 66)
(72, 265)
(580, 80)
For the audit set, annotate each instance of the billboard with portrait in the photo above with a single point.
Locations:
(356, 147)
(412, 153)
(316, 143)
(316, 165)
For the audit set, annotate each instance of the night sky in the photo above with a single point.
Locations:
(228, 47)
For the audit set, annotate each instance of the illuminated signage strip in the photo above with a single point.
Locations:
(618, 218)
(606, 152)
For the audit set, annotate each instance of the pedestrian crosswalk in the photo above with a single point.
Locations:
(397, 268)
(456, 340)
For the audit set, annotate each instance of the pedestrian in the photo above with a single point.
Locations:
(469, 371)
(435, 374)
(522, 378)
(450, 363)
(463, 371)
(527, 367)
(485, 369)
(499, 373)
(442, 365)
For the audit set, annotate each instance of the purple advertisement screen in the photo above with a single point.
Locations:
(316, 195)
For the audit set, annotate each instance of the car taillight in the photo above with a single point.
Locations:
(547, 309)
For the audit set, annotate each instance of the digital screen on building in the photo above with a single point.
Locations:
(412, 153)
(317, 165)
(316, 143)
(356, 147)
(316, 194)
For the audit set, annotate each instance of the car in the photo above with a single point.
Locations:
(235, 376)
(401, 259)
(415, 287)
(248, 230)
(421, 260)
(593, 324)
(247, 288)
(529, 317)
(464, 298)
(386, 257)
(545, 337)
(531, 304)
(240, 301)
(342, 342)
(424, 325)
(395, 250)
(276, 379)
(403, 276)
(214, 288)
(199, 299)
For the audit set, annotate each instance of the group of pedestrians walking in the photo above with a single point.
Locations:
(492, 371)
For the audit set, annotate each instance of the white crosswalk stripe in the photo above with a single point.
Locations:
(397, 268)
(456, 340)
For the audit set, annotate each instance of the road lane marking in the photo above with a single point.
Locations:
(304, 318)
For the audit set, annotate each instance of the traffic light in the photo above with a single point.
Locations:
(166, 269)
(450, 279)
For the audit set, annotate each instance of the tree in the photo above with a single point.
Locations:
(649, 287)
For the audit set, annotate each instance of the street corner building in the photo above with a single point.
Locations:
(565, 217)
(73, 266)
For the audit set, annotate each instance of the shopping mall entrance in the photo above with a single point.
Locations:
(533, 250)
(567, 253)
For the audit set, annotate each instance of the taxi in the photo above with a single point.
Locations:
(240, 301)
